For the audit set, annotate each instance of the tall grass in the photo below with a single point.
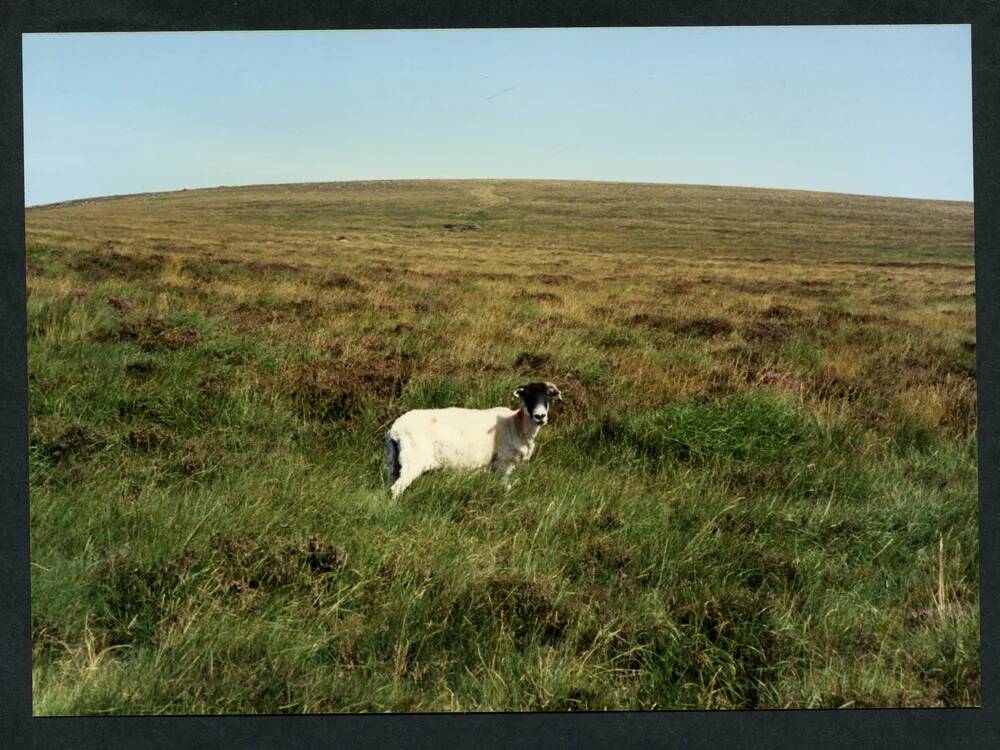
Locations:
(759, 492)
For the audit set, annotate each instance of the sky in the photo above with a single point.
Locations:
(875, 110)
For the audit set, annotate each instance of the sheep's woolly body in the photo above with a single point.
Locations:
(427, 439)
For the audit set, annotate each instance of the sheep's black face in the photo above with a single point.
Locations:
(536, 397)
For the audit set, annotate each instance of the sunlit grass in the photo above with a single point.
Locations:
(759, 492)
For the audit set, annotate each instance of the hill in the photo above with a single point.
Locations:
(759, 492)
(562, 215)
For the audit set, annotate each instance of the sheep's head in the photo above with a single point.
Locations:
(536, 398)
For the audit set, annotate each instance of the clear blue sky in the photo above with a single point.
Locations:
(881, 110)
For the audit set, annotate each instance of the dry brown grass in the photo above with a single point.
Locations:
(660, 292)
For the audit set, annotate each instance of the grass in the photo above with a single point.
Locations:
(760, 491)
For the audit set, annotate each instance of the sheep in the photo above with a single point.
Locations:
(498, 438)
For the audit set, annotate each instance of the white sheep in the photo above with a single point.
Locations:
(498, 438)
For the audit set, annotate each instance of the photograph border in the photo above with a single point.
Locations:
(967, 727)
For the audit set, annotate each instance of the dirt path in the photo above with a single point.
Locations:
(487, 196)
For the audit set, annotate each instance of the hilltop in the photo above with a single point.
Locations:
(554, 216)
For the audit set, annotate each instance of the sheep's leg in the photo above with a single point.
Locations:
(406, 478)
(505, 472)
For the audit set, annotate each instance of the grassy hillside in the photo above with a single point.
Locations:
(759, 492)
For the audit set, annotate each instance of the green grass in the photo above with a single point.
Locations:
(751, 497)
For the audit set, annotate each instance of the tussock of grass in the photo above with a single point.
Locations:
(760, 490)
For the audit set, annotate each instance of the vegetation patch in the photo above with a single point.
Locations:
(599, 557)
(137, 600)
(132, 599)
(56, 439)
(524, 608)
(335, 392)
(243, 563)
(540, 297)
(207, 271)
(704, 327)
(767, 334)
(434, 393)
(781, 311)
(121, 304)
(148, 438)
(267, 310)
(153, 333)
(554, 279)
(738, 428)
(340, 281)
(653, 321)
(94, 266)
(141, 368)
(676, 286)
(532, 361)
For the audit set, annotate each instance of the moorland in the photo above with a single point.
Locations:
(760, 490)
